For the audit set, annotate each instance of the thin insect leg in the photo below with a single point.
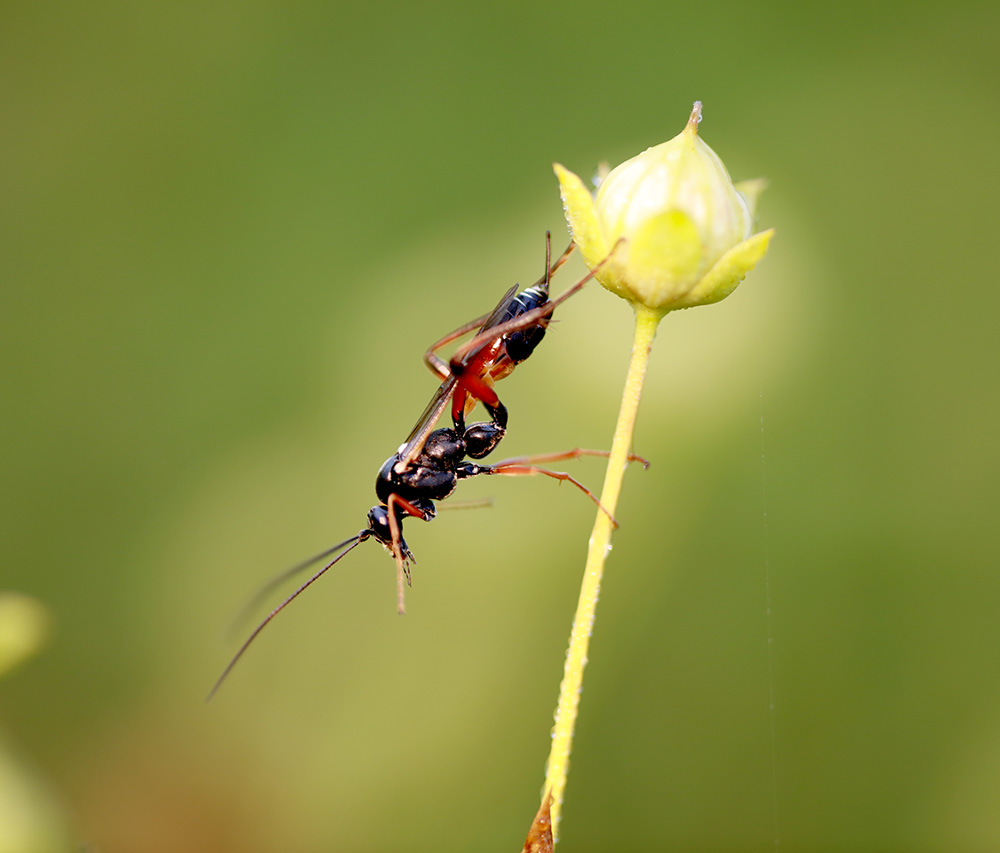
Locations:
(397, 552)
(517, 470)
(438, 403)
(409, 509)
(491, 332)
(575, 453)
(473, 503)
(438, 366)
(402, 557)
(478, 388)
(358, 540)
(528, 318)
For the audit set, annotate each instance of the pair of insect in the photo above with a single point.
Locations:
(428, 466)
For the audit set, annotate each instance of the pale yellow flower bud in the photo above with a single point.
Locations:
(687, 228)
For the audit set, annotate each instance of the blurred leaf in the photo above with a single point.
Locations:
(24, 628)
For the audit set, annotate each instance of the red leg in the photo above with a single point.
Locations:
(442, 369)
(397, 553)
(515, 469)
(531, 317)
(402, 560)
(478, 387)
(527, 319)
(526, 465)
(575, 453)
(438, 366)
(471, 388)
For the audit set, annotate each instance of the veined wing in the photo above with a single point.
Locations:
(439, 402)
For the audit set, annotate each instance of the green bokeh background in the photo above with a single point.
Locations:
(228, 232)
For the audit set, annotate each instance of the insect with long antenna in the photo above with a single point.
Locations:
(429, 464)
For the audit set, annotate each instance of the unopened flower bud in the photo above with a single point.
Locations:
(687, 228)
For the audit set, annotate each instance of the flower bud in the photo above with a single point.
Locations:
(686, 227)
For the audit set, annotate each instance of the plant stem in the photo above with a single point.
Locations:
(557, 766)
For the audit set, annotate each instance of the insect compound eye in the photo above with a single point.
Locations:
(481, 439)
(378, 523)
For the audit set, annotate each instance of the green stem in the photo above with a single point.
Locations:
(557, 766)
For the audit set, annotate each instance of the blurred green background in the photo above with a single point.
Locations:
(228, 233)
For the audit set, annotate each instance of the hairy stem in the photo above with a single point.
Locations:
(557, 766)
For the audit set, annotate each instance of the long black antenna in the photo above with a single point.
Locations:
(266, 590)
(351, 543)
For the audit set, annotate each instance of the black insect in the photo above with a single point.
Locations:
(428, 466)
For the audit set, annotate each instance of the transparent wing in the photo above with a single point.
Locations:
(439, 402)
